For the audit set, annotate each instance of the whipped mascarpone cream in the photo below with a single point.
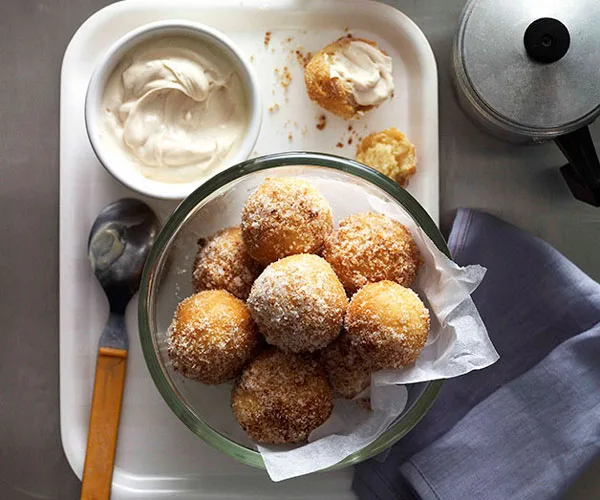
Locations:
(366, 70)
(176, 108)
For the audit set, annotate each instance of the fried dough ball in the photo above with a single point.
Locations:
(388, 324)
(348, 372)
(212, 337)
(281, 397)
(369, 247)
(298, 303)
(285, 216)
(362, 87)
(391, 153)
(222, 262)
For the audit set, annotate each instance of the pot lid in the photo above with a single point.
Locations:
(533, 63)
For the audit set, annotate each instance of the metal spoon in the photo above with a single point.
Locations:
(119, 242)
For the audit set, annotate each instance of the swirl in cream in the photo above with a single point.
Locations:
(366, 70)
(176, 108)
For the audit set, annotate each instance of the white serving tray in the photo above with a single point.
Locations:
(157, 456)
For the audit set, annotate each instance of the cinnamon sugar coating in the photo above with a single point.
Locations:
(223, 263)
(298, 303)
(212, 336)
(387, 324)
(282, 397)
(285, 216)
(369, 247)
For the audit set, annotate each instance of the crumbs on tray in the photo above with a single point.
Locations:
(284, 76)
(267, 38)
(321, 122)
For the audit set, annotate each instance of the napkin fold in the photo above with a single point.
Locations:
(527, 426)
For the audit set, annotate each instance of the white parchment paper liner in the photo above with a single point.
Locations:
(458, 343)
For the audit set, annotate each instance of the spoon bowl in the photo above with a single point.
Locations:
(118, 245)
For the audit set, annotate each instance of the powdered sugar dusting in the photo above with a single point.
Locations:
(388, 324)
(222, 262)
(285, 216)
(298, 303)
(211, 337)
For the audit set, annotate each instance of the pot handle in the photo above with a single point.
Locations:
(582, 173)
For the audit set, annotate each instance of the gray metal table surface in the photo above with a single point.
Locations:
(518, 183)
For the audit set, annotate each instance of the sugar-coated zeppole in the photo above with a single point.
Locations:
(388, 324)
(348, 372)
(212, 336)
(298, 303)
(222, 262)
(285, 216)
(281, 397)
(369, 247)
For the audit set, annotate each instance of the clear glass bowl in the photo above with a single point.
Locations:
(167, 280)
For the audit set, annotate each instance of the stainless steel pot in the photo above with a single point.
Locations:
(529, 71)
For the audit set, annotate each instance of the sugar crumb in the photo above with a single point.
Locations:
(322, 122)
(284, 76)
(267, 38)
(302, 58)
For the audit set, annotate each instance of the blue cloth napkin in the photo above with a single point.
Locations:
(527, 426)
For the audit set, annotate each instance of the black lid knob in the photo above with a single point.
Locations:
(546, 40)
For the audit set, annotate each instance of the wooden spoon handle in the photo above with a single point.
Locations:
(104, 423)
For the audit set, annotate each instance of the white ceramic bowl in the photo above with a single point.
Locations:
(112, 159)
